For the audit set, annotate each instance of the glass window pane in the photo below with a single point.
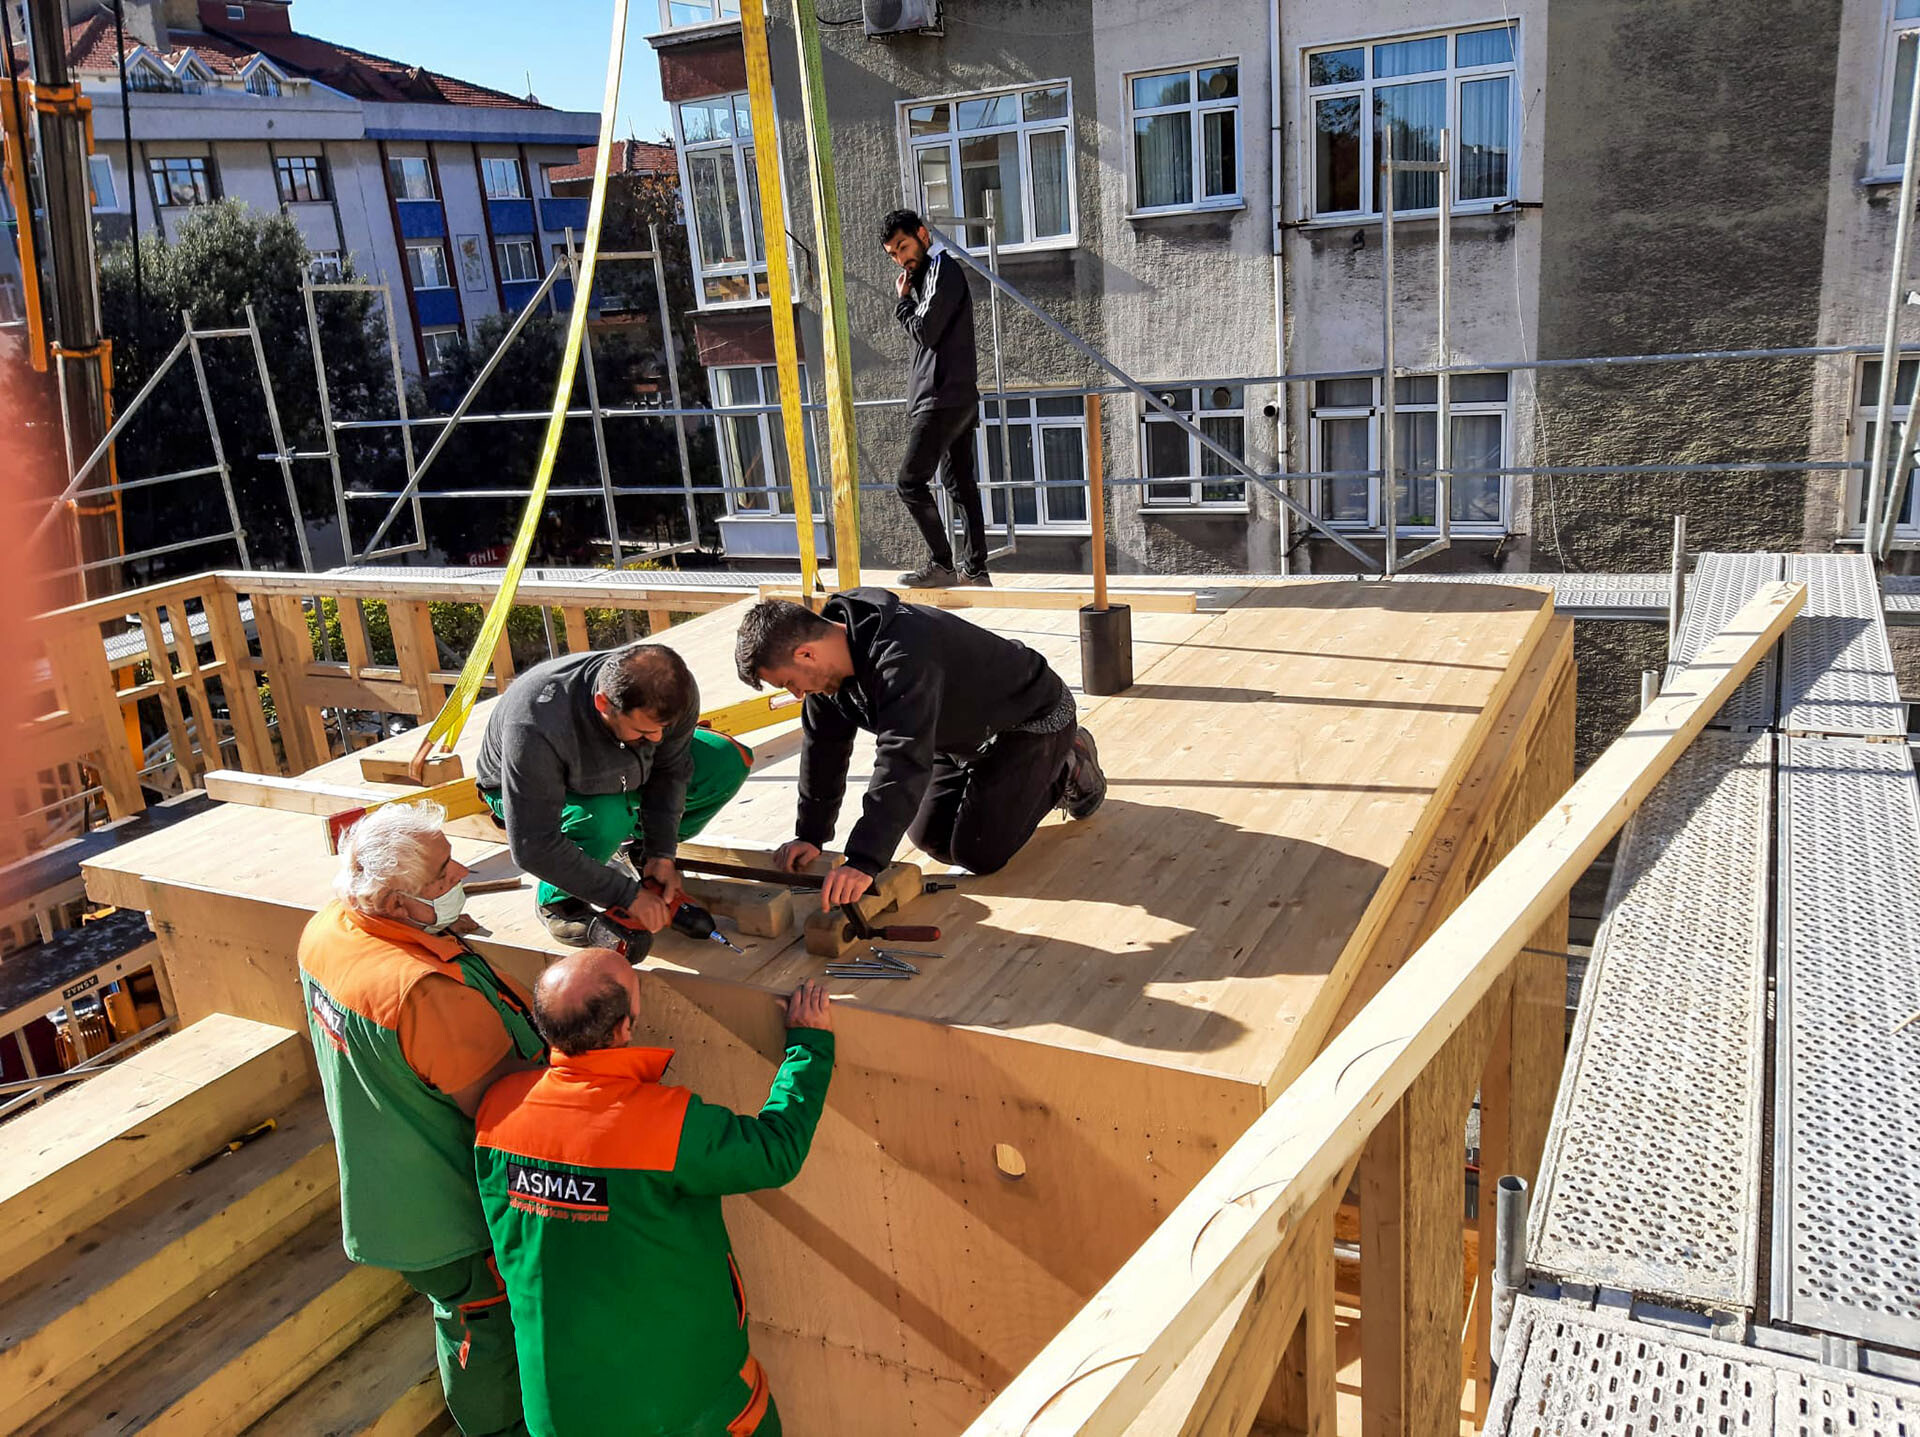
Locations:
(1485, 109)
(1902, 384)
(1337, 67)
(1906, 9)
(1476, 445)
(1409, 57)
(1063, 408)
(982, 113)
(1047, 104)
(1152, 91)
(1061, 460)
(1050, 208)
(927, 120)
(1343, 394)
(1416, 389)
(746, 462)
(1416, 438)
(682, 13)
(1163, 159)
(704, 120)
(1222, 82)
(1019, 408)
(1902, 98)
(1343, 448)
(936, 181)
(754, 221)
(742, 118)
(1477, 389)
(716, 208)
(1485, 47)
(1230, 434)
(1336, 155)
(1167, 451)
(992, 163)
(1414, 114)
(1220, 153)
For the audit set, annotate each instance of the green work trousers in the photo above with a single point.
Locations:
(600, 822)
(473, 1339)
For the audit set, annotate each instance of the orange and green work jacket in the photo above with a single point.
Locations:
(602, 1188)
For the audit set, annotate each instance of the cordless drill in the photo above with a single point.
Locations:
(689, 918)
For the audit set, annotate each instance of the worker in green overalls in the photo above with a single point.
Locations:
(602, 1189)
(410, 1029)
(590, 751)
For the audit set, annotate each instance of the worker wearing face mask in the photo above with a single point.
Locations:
(410, 1028)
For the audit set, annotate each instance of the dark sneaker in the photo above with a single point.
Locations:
(570, 921)
(1086, 786)
(978, 579)
(929, 576)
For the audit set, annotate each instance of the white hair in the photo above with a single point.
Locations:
(385, 852)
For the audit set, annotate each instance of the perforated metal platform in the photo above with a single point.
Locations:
(1837, 663)
(1716, 590)
(1847, 1105)
(1569, 1371)
(1900, 598)
(1651, 1179)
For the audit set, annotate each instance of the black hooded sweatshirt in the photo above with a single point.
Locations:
(924, 682)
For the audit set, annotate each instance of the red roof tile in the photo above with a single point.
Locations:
(630, 157)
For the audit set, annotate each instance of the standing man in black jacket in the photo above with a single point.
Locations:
(943, 402)
(977, 737)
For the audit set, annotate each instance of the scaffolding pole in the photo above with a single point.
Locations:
(1389, 437)
(1443, 419)
(1890, 344)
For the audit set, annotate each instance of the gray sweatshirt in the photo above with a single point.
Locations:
(544, 741)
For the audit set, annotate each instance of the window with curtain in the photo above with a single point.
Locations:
(1189, 474)
(1014, 145)
(504, 178)
(717, 156)
(1186, 137)
(1896, 86)
(410, 177)
(427, 266)
(1043, 477)
(753, 446)
(182, 180)
(1866, 423)
(1346, 445)
(302, 178)
(1358, 95)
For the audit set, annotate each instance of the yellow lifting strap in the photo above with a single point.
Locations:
(452, 717)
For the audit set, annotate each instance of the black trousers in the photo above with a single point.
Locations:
(942, 439)
(978, 814)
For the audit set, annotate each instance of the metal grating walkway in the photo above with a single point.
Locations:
(1651, 1179)
(1716, 590)
(1837, 661)
(1572, 1371)
(1847, 1102)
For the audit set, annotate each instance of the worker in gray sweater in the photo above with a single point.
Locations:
(588, 752)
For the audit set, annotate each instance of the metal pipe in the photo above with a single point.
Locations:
(599, 429)
(252, 331)
(153, 553)
(1649, 688)
(1897, 489)
(213, 432)
(1676, 585)
(1239, 465)
(307, 288)
(416, 473)
(1896, 293)
(220, 334)
(1389, 446)
(999, 374)
(673, 385)
(125, 484)
(1443, 418)
(1509, 1259)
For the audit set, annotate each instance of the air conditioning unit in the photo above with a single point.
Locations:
(895, 17)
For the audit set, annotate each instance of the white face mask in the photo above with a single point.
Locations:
(446, 908)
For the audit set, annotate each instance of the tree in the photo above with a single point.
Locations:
(222, 258)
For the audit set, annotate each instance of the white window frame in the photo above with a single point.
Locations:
(712, 12)
(519, 192)
(1456, 409)
(426, 168)
(746, 185)
(1883, 160)
(257, 69)
(1454, 75)
(106, 198)
(430, 358)
(533, 274)
(193, 73)
(144, 65)
(422, 247)
(1866, 406)
(327, 266)
(773, 438)
(207, 172)
(1030, 429)
(1195, 480)
(912, 146)
(1196, 109)
(321, 170)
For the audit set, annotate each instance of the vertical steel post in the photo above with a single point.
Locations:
(595, 419)
(326, 422)
(280, 451)
(1890, 345)
(213, 432)
(1389, 487)
(1443, 433)
(1509, 1258)
(673, 385)
(1897, 487)
(1000, 381)
(1676, 585)
(406, 440)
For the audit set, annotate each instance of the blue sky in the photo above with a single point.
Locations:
(561, 43)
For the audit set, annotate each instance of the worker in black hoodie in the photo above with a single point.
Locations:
(977, 737)
(935, 307)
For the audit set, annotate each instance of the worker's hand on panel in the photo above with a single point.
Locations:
(796, 855)
(809, 1007)
(846, 884)
(666, 873)
(647, 911)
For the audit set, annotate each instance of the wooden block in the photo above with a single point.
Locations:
(385, 1385)
(441, 768)
(79, 1309)
(764, 910)
(898, 885)
(79, 1156)
(233, 1357)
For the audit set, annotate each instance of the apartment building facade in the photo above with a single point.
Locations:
(434, 186)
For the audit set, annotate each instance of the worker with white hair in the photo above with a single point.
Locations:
(410, 1028)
